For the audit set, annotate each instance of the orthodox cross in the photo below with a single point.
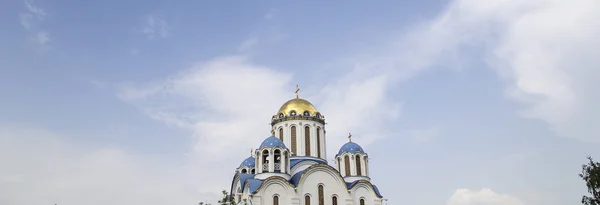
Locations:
(350, 137)
(297, 90)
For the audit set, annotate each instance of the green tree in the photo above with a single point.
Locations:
(590, 173)
(226, 200)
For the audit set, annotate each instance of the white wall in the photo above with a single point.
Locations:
(300, 124)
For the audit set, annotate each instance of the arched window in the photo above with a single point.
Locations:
(275, 200)
(362, 201)
(281, 133)
(321, 197)
(293, 113)
(306, 113)
(307, 200)
(244, 171)
(280, 115)
(318, 142)
(293, 129)
(347, 165)
(252, 171)
(340, 164)
(334, 200)
(358, 168)
(318, 115)
(277, 156)
(307, 141)
(265, 160)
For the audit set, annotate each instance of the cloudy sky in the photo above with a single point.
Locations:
(465, 102)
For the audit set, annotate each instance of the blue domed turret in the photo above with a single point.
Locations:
(351, 148)
(248, 162)
(271, 142)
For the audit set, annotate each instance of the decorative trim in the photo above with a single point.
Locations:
(273, 178)
(360, 181)
(297, 117)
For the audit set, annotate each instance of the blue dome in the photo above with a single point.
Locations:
(248, 162)
(271, 142)
(350, 147)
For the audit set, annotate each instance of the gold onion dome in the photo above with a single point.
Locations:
(298, 105)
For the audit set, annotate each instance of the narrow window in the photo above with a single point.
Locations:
(281, 133)
(293, 129)
(306, 113)
(307, 200)
(321, 197)
(334, 200)
(358, 168)
(318, 142)
(285, 159)
(362, 201)
(347, 165)
(265, 162)
(277, 156)
(252, 171)
(307, 141)
(243, 171)
(275, 200)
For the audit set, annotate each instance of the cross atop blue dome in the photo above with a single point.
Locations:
(271, 142)
(248, 162)
(351, 148)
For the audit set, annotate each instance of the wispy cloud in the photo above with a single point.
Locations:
(43, 37)
(31, 20)
(545, 51)
(480, 197)
(155, 27)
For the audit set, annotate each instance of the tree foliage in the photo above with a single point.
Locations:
(225, 200)
(590, 173)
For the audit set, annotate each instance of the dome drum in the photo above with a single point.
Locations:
(286, 118)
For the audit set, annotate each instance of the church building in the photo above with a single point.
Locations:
(290, 166)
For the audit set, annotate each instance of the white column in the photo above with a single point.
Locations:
(258, 166)
(271, 161)
(367, 166)
(352, 165)
(283, 162)
(313, 141)
(302, 141)
(323, 142)
(342, 170)
(364, 166)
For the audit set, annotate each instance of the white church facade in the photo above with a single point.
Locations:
(290, 166)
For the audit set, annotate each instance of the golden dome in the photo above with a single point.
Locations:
(299, 105)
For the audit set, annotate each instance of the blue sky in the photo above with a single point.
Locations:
(461, 102)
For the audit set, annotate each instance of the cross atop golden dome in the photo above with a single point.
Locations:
(298, 105)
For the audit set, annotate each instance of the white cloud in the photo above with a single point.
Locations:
(423, 135)
(31, 21)
(271, 14)
(155, 27)
(43, 38)
(38, 167)
(231, 99)
(484, 196)
(221, 101)
(545, 49)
